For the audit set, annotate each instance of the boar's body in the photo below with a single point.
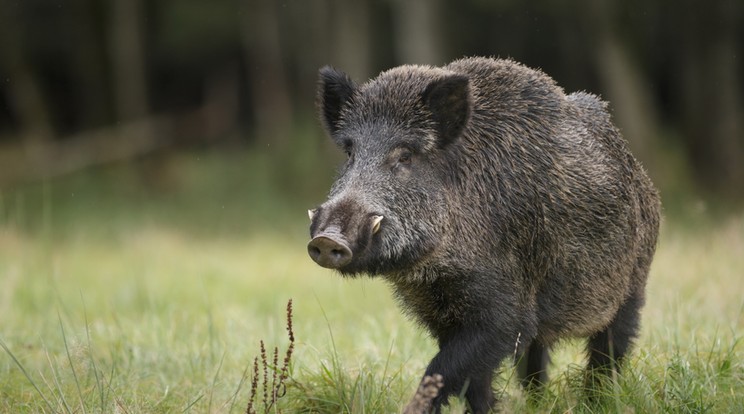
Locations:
(513, 214)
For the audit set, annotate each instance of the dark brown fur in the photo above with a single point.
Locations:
(514, 215)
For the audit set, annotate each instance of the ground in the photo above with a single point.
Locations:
(118, 297)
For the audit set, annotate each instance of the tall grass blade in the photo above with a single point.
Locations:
(192, 403)
(234, 396)
(55, 376)
(99, 384)
(72, 365)
(25, 373)
(214, 382)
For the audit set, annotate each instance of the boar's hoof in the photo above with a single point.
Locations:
(329, 252)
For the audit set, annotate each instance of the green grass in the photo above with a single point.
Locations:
(121, 296)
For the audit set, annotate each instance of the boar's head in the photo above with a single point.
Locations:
(388, 207)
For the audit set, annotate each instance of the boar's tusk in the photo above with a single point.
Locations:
(311, 213)
(376, 220)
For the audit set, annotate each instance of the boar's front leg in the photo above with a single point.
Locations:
(466, 361)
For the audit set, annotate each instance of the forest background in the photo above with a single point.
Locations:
(157, 158)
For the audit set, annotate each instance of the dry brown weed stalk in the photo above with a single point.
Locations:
(279, 375)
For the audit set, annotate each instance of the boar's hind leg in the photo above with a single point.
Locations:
(608, 347)
(479, 393)
(532, 366)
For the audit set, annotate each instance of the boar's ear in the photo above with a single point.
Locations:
(448, 99)
(334, 90)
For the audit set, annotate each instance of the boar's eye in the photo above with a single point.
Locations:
(404, 158)
(400, 159)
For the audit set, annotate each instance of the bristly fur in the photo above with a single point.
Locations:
(511, 210)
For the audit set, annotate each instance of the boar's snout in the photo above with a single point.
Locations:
(329, 250)
(341, 232)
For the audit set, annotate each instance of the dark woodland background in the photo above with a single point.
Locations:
(89, 83)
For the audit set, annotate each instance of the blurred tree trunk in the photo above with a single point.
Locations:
(628, 91)
(417, 25)
(221, 102)
(25, 93)
(712, 84)
(315, 25)
(312, 24)
(351, 38)
(89, 65)
(270, 97)
(128, 59)
(630, 97)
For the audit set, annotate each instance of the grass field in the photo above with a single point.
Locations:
(117, 296)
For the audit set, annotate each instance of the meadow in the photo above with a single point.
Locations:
(149, 292)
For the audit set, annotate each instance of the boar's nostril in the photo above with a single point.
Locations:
(329, 252)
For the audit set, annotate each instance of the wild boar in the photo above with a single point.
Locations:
(505, 214)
